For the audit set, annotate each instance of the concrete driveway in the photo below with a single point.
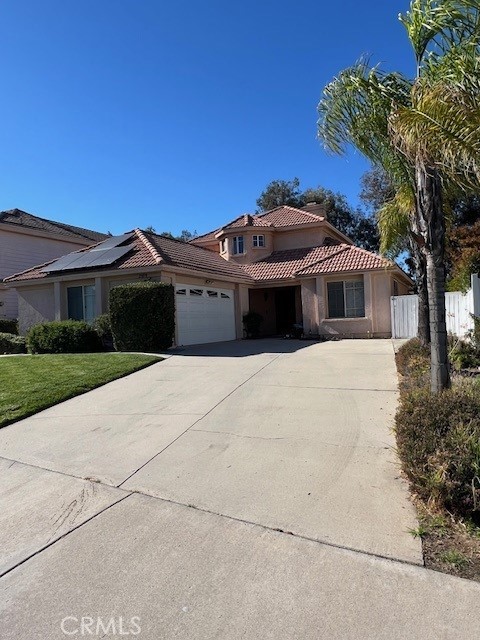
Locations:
(240, 490)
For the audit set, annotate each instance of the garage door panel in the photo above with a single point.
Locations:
(204, 314)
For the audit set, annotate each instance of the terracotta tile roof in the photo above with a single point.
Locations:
(283, 216)
(150, 250)
(28, 221)
(289, 216)
(315, 261)
(183, 254)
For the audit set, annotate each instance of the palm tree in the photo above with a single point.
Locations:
(424, 132)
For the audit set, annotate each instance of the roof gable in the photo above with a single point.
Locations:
(311, 261)
(149, 250)
(283, 216)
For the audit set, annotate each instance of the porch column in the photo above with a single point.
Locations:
(368, 292)
(242, 306)
(57, 298)
(309, 307)
(321, 302)
(100, 301)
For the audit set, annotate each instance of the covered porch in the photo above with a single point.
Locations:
(280, 308)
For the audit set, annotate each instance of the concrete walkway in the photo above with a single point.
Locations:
(242, 490)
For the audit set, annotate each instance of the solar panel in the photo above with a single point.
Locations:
(64, 263)
(111, 243)
(105, 253)
(109, 256)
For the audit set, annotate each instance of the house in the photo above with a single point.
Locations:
(290, 265)
(27, 240)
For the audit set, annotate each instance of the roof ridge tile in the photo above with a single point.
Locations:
(156, 256)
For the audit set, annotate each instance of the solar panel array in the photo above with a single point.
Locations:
(103, 254)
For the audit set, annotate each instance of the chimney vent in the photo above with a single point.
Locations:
(316, 209)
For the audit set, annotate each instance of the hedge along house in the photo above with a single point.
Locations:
(290, 265)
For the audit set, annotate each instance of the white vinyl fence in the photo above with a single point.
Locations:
(459, 306)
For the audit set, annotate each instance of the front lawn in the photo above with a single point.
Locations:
(31, 383)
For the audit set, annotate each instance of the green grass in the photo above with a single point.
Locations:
(31, 383)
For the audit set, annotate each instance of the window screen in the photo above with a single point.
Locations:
(336, 300)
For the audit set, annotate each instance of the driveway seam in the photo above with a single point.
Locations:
(299, 536)
(61, 473)
(200, 419)
(64, 535)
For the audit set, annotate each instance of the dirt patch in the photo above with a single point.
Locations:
(449, 545)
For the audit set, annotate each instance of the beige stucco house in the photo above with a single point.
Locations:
(290, 265)
(27, 240)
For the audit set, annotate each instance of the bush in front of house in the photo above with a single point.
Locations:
(413, 365)
(142, 316)
(103, 327)
(438, 439)
(252, 322)
(11, 343)
(65, 336)
(9, 326)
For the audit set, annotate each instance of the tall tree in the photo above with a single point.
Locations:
(378, 194)
(280, 192)
(425, 133)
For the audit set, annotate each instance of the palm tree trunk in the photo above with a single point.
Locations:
(431, 224)
(420, 267)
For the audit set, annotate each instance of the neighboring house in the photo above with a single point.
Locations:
(290, 265)
(27, 240)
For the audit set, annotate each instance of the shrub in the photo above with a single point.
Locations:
(142, 316)
(413, 364)
(11, 343)
(438, 439)
(464, 355)
(252, 322)
(103, 328)
(66, 336)
(9, 326)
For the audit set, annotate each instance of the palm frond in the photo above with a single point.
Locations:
(393, 220)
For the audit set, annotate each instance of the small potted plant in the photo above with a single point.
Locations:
(251, 323)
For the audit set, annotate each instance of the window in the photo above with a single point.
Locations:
(346, 299)
(238, 244)
(212, 294)
(81, 302)
(196, 292)
(258, 241)
(223, 245)
(181, 292)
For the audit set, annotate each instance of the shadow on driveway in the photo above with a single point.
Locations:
(243, 348)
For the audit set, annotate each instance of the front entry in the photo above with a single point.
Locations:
(285, 309)
(280, 308)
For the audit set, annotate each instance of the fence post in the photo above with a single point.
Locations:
(476, 294)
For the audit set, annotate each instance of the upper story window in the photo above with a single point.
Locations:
(346, 299)
(81, 302)
(258, 241)
(223, 245)
(238, 245)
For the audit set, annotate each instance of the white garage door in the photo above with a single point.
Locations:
(204, 314)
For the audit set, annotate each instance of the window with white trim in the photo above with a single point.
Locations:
(223, 245)
(346, 299)
(237, 245)
(258, 241)
(81, 302)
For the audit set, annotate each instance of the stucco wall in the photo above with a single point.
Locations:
(377, 321)
(20, 251)
(35, 306)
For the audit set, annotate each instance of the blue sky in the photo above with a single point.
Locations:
(124, 113)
